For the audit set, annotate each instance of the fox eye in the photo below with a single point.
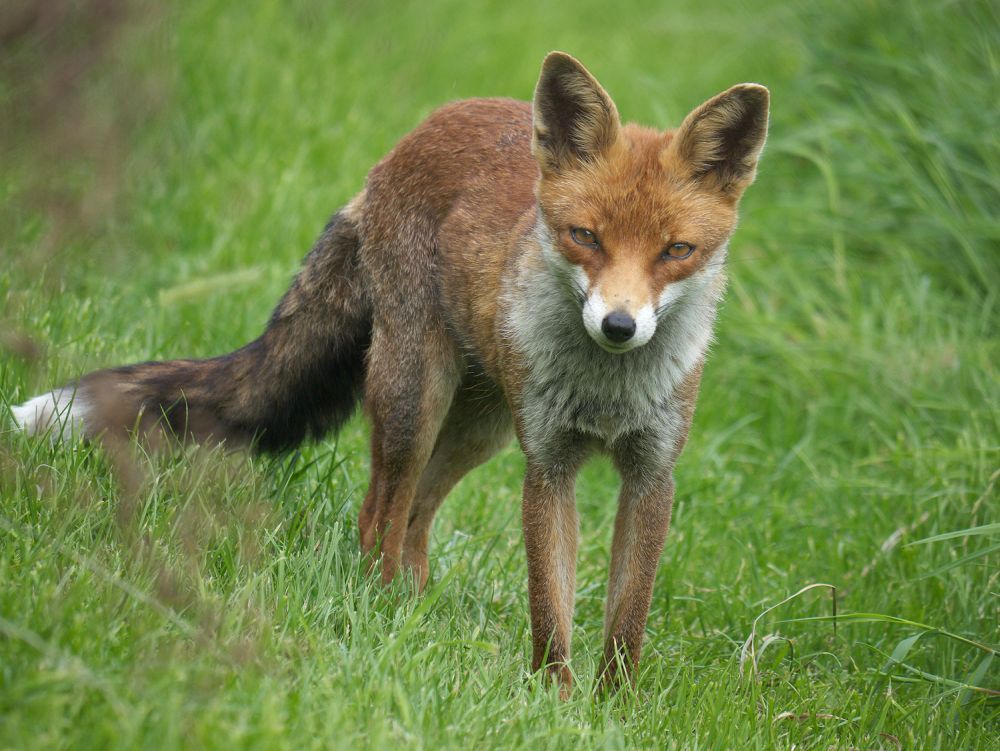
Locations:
(677, 251)
(583, 236)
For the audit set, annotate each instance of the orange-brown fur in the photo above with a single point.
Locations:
(427, 290)
(661, 208)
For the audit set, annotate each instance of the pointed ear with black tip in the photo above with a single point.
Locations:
(719, 143)
(574, 118)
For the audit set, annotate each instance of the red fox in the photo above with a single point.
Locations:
(538, 270)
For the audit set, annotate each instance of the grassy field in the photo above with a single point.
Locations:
(164, 170)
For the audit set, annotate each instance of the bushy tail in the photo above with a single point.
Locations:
(301, 378)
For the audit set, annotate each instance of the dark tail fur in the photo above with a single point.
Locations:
(301, 378)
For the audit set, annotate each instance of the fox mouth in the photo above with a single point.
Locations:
(613, 347)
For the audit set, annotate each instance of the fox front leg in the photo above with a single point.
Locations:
(641, 527)
(550, 535)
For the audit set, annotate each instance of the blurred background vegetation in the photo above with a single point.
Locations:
(163, 169)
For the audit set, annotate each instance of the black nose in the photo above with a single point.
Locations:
(618, 326)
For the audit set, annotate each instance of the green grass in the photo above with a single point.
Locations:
(850, 407)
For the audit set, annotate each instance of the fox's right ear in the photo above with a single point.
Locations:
(574, 118)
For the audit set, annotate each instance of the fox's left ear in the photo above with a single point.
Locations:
(721, 140)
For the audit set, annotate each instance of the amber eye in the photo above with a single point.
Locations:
(676, 251)
(582, 236)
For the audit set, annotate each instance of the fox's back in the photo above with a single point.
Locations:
(466, 178)
(461, 148)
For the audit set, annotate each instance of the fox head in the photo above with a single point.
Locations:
(636, 218)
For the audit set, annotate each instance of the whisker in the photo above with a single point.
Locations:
(690, 305)
(581, 293)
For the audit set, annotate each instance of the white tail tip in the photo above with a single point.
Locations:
(59, 413)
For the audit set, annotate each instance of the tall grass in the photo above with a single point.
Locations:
(848, 432)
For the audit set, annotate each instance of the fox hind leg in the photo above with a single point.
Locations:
(478, 425)
(409, 391)
(413, 368)
(366, 517)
